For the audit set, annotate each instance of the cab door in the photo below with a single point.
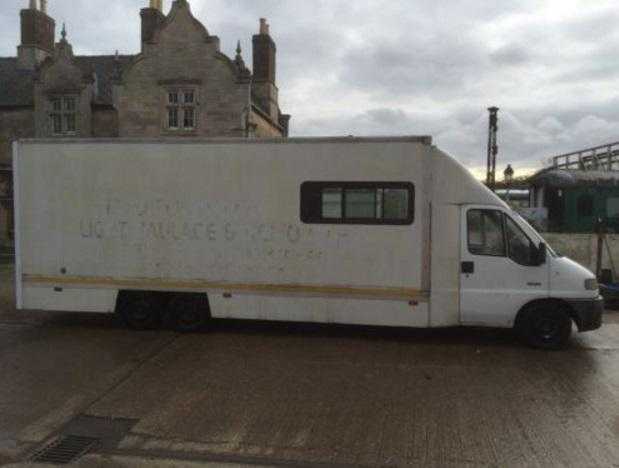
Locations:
(498, 271)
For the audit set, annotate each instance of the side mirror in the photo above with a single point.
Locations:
(539, 254)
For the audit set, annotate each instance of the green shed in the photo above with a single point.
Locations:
(575, 199)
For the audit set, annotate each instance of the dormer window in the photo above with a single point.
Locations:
(63, 115)
(181, 110)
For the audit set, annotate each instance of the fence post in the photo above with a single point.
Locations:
(601, 234)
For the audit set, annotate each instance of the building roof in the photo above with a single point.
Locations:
(17, 86)
(107, 69)
(563, 178)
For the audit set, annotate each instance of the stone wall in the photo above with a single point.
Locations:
(14, 124)
(583, 249)
(104, 123)
(263, 128)
(5, 242)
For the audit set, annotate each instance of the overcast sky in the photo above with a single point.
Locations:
(385, 67)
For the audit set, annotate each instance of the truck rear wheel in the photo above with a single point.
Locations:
(140, 310)
(189, 312)
(545, 326)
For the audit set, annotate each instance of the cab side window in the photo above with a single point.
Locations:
(519, 246)
(492, 233)
(485, 233)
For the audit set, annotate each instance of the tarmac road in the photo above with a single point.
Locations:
(292, 395)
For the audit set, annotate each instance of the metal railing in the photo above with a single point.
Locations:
(598, 158)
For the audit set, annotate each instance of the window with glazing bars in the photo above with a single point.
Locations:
(181, 108)
(63, 115)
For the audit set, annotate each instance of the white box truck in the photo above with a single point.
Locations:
(372, 231)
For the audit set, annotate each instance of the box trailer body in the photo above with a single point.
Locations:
(373, 231)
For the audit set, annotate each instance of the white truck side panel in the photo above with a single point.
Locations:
(445, 294)
(319, 309)
(70, 300)
(452, 186)
(217, 213)
(228, 212)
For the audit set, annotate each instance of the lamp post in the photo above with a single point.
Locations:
(509, 177)
(493, 147)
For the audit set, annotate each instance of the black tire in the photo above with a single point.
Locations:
(140, 310)
(545, 326)
(189, 312)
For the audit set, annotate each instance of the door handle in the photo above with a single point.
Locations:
(468, 268)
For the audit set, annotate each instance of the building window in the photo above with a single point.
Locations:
(181, 109)
(173, 117)
(188, 117)
(357, 203)
(63, 115)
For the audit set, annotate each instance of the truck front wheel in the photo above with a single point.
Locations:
(545, 326)
(140, 310)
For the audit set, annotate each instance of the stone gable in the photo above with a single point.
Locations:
(182, 55)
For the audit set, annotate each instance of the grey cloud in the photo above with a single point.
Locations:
(381, 67)
(595, 27)
(444, 65)
(522, 143)
(510, 55)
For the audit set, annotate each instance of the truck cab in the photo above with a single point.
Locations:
(511, 277)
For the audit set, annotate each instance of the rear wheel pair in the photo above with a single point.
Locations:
(545, 325)
(142, 310)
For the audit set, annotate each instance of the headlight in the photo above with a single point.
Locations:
(592, 285)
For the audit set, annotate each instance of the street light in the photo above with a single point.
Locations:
(509, 177)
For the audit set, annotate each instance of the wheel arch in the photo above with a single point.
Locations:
(548, 302)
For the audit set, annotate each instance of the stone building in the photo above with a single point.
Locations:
(179, 85)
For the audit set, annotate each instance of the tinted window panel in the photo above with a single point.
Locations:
(389, 203)
(361, 203)
(520, 247)
(395, 203)
(332, 203)
(485, 233)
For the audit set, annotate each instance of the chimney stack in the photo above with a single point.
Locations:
(264, 54)
(38, 32)
(152, 18)
(156, 5)
(263, 83)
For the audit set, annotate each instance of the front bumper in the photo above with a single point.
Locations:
(588, 313)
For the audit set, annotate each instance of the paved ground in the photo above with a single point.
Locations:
(283, 395)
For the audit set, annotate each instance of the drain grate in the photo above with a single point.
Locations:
(82, 434)
(64, 450)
